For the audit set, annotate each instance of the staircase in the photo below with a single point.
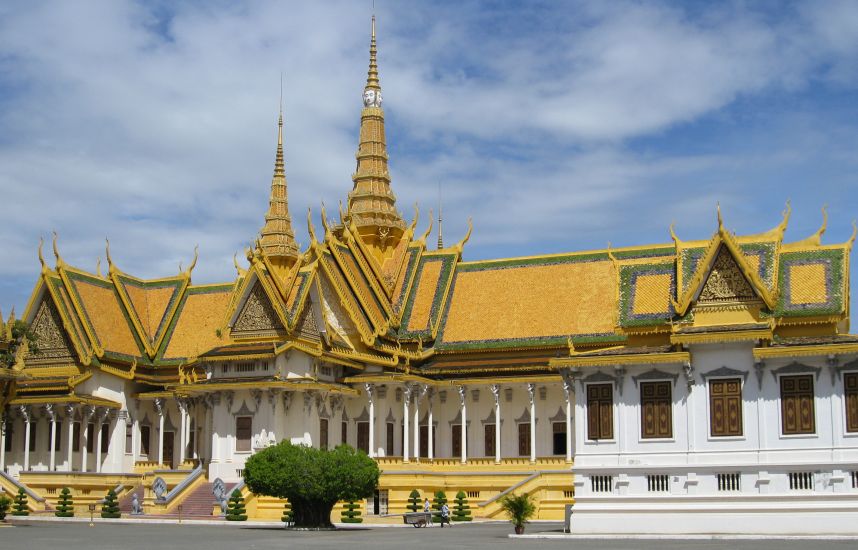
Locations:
(198, 504)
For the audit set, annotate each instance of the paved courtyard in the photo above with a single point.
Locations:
(190, 537)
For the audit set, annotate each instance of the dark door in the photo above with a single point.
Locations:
(524, 439)
(169, 440)
(363, 436)
(490, 439)
(424, 441)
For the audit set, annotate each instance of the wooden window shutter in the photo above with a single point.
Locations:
(656, 410)
(850, 382)
(600, 411)
(725, 407)
(797, 406)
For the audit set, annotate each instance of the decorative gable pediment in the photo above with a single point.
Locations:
(725, 282)
(257, 316)
(51, 339)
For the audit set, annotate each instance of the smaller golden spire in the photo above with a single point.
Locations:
(372, 75)
(277, 237)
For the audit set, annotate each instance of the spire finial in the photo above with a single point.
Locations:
(440, 236)
(372, 90)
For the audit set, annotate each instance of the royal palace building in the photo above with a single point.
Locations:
(694, 386)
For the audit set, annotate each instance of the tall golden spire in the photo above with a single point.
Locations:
(372, 204)
(277, 237)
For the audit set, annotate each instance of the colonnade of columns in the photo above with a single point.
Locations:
(414, 393)
(59, 416)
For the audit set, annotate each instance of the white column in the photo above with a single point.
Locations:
(25, 413)
(69, 446)
(84, 440)
(462, 399)
(370, 395)
(495, 388)
(430, 429)
(52, 414)
(417, 393)
(99, 426)
(159, 408)
(183, 432)
(214, 452)
(135, 437)
(531, 389)
(406, 397)
(116, 447)
(568, 389)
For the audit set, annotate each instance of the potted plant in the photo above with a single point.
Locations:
(519, 509)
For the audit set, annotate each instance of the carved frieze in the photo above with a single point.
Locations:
(52, 341)
(726, 283)
(257, 315)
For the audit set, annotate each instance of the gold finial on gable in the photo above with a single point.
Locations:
(342, 214)
(194, 261)
(98, 268)
(425, 235)
(461, 244)
(241, 272)
(56, 250)
(720, 219)
(324, 215)
(676, 240)
(854, 233)
(41, 255)
(110, 267)
(310, 228)
(413, 225)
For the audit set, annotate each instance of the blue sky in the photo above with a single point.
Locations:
(557, 125)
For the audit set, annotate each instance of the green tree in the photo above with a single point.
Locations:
(313, 480)
(351, 512)
(439, 500)
(414, 501)
(4, 507)
(110, 506)
(20, 506)
(65, 504)
(235, 510)
(287, 514)
(461, 510)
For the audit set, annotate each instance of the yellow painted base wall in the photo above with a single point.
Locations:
(549, 481)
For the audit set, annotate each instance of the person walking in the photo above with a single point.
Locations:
(445, 515)
(428, 509)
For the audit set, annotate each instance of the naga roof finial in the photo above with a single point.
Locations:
(41, 255)
(194, 261)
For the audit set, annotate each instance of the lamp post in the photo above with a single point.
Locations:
(91, 513)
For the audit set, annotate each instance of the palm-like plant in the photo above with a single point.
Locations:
(519, 509)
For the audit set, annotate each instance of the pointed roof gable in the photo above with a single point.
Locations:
(720, 255)
(150, 304)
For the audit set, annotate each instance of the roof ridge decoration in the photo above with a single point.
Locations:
(277, 238)
(371, 202)
(688, 293)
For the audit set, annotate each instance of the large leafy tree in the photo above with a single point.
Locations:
(313, 480)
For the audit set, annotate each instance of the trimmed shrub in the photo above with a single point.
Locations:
(65, 504)
(4, 507)
(439, 500)
(414, 504)
(110, 506)
(461, 510)
(287, 516)
(235, 509)
(20, 506)
(351, 513)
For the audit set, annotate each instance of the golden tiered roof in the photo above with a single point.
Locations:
(371, 203)
(277, 239)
